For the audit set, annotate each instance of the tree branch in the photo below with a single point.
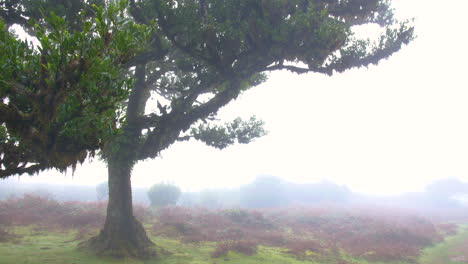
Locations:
(169, 127)
(31, 170)
(291, 68)
(10, 113)
(139, 95)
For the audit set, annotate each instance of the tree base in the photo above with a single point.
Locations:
(131, 242)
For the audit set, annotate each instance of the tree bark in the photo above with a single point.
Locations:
(123, 235)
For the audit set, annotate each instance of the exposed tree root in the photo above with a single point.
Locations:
(121, 242)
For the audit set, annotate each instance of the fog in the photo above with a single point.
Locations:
(265, 192)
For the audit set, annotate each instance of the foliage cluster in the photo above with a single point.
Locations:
(64, 95)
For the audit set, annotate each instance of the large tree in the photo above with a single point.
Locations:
(84, 85)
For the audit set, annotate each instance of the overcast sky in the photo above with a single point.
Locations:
(388, 129)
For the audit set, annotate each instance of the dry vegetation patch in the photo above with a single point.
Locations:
(47, 213)
(305, 232)
(7, 236)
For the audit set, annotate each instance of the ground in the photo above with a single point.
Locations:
(58, 247)
(41, 230)
(454, 250)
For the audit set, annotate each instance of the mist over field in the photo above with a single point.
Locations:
(264, 192)
(269, 218)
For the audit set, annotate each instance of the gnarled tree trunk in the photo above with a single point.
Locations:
(123, 235)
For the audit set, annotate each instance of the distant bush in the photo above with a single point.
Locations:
(210, 199)
(164, 194)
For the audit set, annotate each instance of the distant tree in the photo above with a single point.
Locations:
(164, 194)
(102, 191)
(140, 195)
(444, 193)
(210, 199)
(264, 192)
(40, 191)
(447, 187)
(188, 198)
(323, 191)
(85, 87)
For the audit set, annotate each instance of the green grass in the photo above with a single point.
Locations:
(58, 248)
(446, 251)
(37, 247)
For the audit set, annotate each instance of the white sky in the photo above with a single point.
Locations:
(388, 129)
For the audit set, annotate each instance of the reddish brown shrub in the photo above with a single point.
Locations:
(6, 236)
(377, 234)
(199, 224)
(48, 213)
(29, 209)
(248, 218)
(447, 229)
(243, 246)
(142, 213)
(300, 247)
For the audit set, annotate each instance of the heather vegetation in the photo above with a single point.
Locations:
(312, 234)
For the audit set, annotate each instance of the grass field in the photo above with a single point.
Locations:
(453, 250)
(37, 247)
(40, 230)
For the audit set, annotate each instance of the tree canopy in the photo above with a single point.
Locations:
(62, 97)
(95, 66)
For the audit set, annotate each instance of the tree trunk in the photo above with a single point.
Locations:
(123, 235)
